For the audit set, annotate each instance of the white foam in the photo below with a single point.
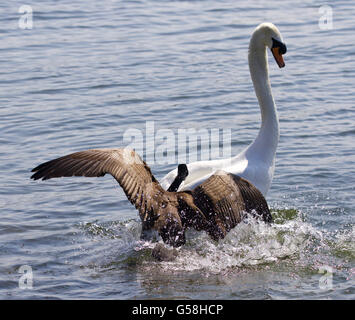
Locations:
(248, 244)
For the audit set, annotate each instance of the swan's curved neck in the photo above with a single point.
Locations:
(266, 142)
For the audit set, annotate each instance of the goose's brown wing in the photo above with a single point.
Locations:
(254, 200)
(224, 199)
(130, 171)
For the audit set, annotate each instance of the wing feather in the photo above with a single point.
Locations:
(130, 171)
(224, 199)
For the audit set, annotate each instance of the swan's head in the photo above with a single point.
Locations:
(267, 35)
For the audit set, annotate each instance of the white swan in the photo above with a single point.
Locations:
(256, 163)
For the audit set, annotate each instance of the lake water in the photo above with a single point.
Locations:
(86, 72)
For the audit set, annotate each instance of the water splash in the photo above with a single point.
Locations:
(250, 244)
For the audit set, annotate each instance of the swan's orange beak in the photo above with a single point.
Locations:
(278, 56)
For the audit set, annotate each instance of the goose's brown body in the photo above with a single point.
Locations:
(215, 206)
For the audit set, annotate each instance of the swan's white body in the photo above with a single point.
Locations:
(257, 162)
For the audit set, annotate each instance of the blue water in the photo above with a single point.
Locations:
(89, 71)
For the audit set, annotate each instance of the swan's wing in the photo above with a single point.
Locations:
(168, 179)
(224, 199)
(130, 171)
(199, 171)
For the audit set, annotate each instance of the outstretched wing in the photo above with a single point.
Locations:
(125, 165)
(224, 199)
(254, 200)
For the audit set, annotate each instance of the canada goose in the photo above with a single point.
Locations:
(215, 206)
(257, 162)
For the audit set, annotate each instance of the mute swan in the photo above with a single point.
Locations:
(256, 163)
(215, 206)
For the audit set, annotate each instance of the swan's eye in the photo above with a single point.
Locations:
(280, 45)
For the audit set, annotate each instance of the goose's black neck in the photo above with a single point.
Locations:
(181, 176)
